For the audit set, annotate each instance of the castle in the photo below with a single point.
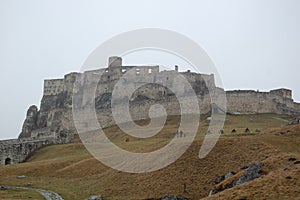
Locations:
(53, 123)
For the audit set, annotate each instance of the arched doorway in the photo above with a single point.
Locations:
(7, 161)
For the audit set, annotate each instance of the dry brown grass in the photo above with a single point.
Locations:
(72, 172)
(20, 194)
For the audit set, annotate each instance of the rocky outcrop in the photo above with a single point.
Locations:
(53, 120)
(294, 121)
(231, 179)
(172, 197)
(30, 122)
(47, 194)
(47, 126)
(95, 198)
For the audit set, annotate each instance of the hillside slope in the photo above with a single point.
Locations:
(73, 173)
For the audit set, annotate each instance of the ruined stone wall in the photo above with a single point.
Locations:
(53, 87)
(53, 122)
(297, 106)
(283, 93)
(17, 151)
(69, 81)
(250, 102)
(55, 114)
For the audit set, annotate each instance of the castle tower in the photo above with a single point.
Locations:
(114, 61)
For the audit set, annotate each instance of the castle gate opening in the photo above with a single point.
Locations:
(7, 161)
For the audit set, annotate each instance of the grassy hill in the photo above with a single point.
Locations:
(73, 173)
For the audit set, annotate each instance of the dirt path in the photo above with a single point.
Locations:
(280, 119)
(47, 194)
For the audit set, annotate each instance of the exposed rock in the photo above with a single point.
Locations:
(244, 167)
(42, 119)
(47, 194)
(219, 179)
(253, 172)
(103, 101)
(294, 121)
(247, 173)
(228, 175)
(169, 197)
(21, 177)
(64, 134)
(279, 134)
(95, 198)
(30, 122)
(141, 98)
(172, 197)
(3, 188)
(214, 191)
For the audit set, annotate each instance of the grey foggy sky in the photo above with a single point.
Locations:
(254, 44)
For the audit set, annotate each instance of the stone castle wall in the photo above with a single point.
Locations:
(16, 151)
(238, 102)
(55, 114)
(250, 102)
(53, 123)
(53, 87)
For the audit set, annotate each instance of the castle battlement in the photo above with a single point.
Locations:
(53, 86)
(115, 70)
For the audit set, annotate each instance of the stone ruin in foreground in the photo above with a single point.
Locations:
(53, 122)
